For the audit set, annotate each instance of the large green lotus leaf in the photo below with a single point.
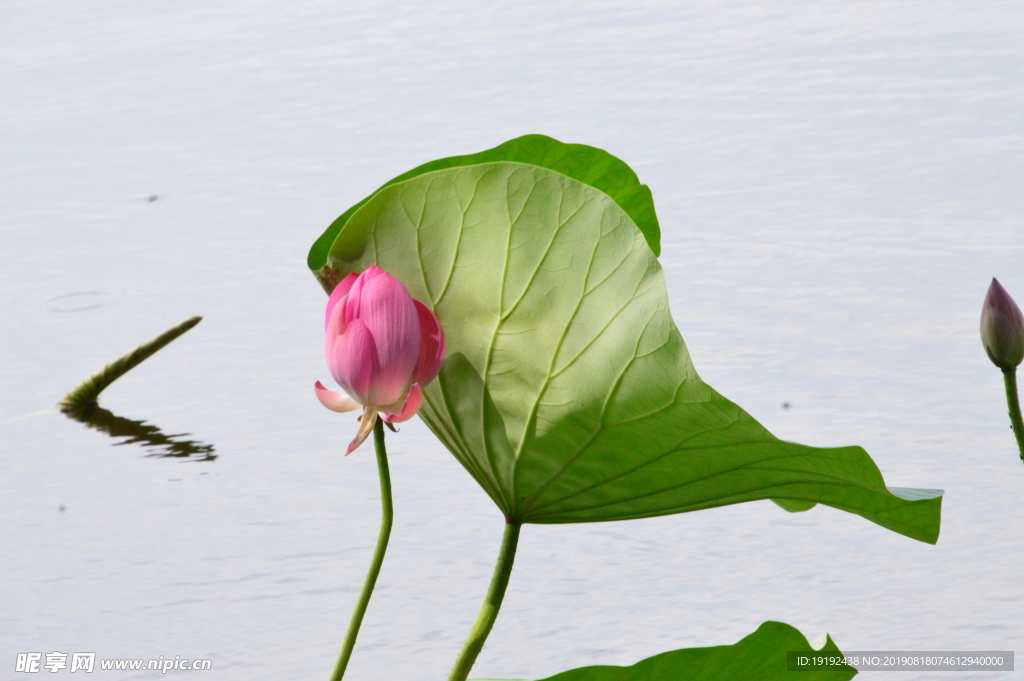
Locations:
(568, 393)
(761, 656)
(590, 165)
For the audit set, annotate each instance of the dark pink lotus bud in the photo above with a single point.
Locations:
(382, 347)
(1002, 328)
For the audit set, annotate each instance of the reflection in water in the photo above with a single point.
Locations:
(142, 433)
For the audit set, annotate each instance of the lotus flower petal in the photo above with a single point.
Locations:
(335, 324)
(339, 402)
(351, 358)
(366, 424)
(340, 292)
(353, 305)
(433, 345)
(388, 311)
(411, 405)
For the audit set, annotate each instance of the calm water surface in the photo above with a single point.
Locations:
(836, 182)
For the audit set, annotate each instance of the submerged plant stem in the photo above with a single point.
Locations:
(386, 520)
(1013, 403)
(489, 612)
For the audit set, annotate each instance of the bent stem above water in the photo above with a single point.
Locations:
(1013, 404)
(88, 391)
(387, 518)
(489, 612)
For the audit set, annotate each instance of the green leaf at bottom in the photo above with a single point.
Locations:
(761, 656)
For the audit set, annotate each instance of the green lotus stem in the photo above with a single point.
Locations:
(489, 612)
(1012, 401)
(88, 391)
(387, 518)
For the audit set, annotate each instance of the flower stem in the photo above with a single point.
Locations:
(1010, 378)
(489, 612)
(387, 518)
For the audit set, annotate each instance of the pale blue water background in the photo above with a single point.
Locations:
(836, 183)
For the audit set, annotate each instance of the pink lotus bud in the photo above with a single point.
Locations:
(1002, 328)
(382, 347)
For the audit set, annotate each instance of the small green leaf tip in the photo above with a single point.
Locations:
(1002, 328)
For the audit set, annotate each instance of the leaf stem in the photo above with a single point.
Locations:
(387, 518)
(489, 612)
(1012, 401)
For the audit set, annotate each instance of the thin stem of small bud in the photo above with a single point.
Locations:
(1013, 403)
